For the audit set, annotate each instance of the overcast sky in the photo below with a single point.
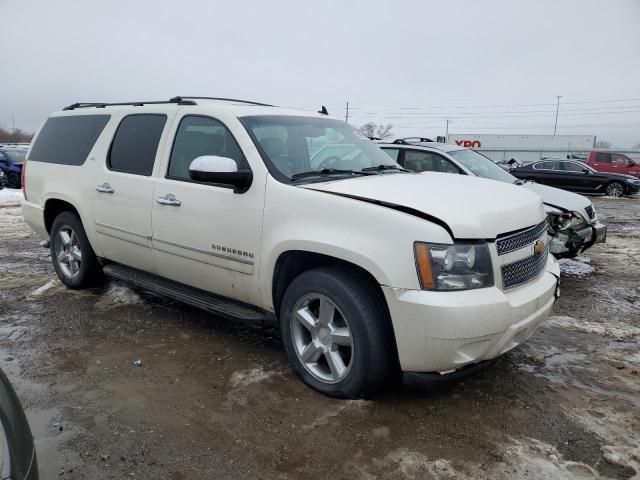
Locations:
(489, 66)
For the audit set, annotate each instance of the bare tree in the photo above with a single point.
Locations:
(637, 146)
(373, 130)
(603, 144)
(369, 129)
(17, 136)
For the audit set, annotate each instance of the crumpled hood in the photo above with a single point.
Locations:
(472, 207)
(555, 197)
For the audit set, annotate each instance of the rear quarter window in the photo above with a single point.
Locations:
(67, 140)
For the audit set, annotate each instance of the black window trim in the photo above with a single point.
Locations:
(246, 165)
(115, 134)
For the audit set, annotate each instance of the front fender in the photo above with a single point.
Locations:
(373, 237)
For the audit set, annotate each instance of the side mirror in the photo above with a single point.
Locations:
(221, 170)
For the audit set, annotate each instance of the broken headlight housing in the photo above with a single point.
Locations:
(559, 222)
(461, 266)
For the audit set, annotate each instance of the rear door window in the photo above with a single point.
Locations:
(550, 166)
(572, 167)
(603, 157)
(418, 161)
(67, 140)
(135, 144)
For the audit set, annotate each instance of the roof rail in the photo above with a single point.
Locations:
(410, 140)
(176, 100)
(249, 102)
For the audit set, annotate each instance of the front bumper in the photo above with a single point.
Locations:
(444, 331)
(571, 243)
(633, 188)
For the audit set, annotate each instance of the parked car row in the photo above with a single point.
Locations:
(578, 177)
(12, 157)
(572, 221)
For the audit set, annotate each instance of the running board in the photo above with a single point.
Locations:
(217, 305)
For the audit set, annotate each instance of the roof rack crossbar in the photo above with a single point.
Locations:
(135, 104)
(236, 100)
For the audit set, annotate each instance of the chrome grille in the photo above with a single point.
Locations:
(520, 239)
(590, 211)
(517, 273)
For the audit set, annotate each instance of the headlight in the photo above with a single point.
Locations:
(559, 221)
(566, 221)
(460, 266)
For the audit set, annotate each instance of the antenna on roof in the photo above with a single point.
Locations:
(324, 110)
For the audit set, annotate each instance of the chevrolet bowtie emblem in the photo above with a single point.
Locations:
(538, 247)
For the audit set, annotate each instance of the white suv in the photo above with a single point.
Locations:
(225, 205)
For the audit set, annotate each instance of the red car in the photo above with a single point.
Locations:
(613, 163)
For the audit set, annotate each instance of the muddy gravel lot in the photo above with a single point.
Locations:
(217, 400)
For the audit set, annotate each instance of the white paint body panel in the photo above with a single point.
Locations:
(229, 243)
(467, 204)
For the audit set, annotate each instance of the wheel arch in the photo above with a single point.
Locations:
(54, 207)
(291, 263)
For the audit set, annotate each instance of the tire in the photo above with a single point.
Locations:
(73, 258)
(614, 189)
(359, 318)
(13, 180)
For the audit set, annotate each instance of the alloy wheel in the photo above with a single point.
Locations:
(615, 190)
(322, 338)
(68, 252)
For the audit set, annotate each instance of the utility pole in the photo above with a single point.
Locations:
(13, 123)
(555, 127)
(446, 134)
(346, 114)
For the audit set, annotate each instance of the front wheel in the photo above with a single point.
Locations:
(614, 189)
(73, 258)
(336, 333)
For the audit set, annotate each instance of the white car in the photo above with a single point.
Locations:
(573, 222)
(366, 268)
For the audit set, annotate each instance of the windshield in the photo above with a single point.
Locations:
(293, 145)
(16, 156)
(482, 166)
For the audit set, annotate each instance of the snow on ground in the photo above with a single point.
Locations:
(576, 267)
(610, 328)
(47, 286)
(10, 197)
(247, 377)
(119, 294)
(524, 458)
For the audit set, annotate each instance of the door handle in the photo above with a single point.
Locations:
(104, 188)
(169, 199)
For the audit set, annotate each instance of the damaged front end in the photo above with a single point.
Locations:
(571, 233)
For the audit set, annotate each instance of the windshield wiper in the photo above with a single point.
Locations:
(382, 167)
(327, 171)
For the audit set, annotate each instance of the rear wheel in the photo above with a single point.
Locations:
(73, 258)
(13, 180)
(336, 333)
(614, 189)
